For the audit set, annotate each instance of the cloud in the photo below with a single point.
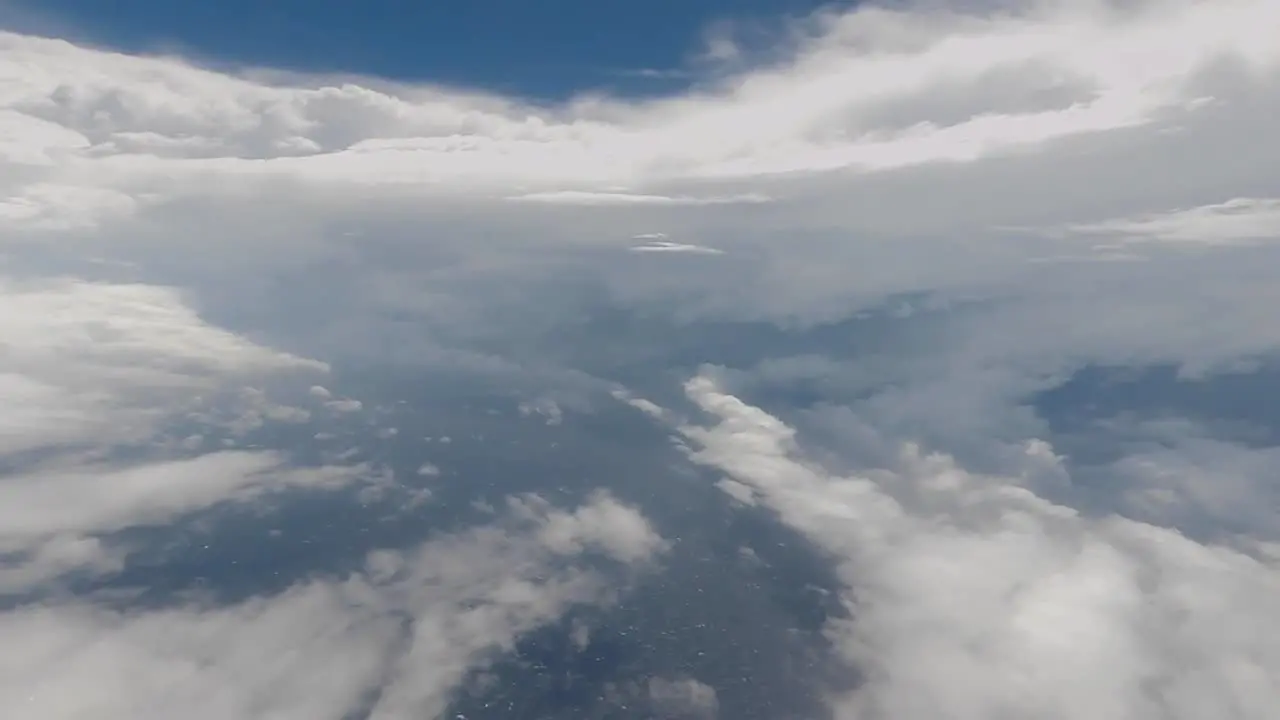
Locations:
(94, 371)
(972, 597)
(578, 197)
(942, 186)
(50, 512)
(99, 362)
(662, 246)
(109, 117)
(390, 641)
(684, 697)
(1235, 221)
(604, 523)
(344, 405)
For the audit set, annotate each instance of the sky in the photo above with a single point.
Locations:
(894, 361)
(541, 51)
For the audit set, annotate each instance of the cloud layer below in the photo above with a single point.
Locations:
(972, 597)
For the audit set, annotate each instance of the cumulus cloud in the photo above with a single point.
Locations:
(972, 597)
(393, 640)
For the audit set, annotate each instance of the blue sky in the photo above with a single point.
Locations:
(544, 49)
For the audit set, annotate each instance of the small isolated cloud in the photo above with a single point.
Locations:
(604, 524)
(549, 410)
(344, 405)
(583, 197)
(683, 698)
(664, 246)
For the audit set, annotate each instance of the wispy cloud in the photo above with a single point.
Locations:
(577, 197)
(1242, 220)
(666, 246)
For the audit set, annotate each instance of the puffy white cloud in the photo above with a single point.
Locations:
(604, 523)
(685, 697)
(393, 640)
(861, 91)
(972, 597)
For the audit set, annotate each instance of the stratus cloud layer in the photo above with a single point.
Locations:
(972, 598)
(856, 95)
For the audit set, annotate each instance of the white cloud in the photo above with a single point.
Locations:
(113, 117)
(663, 246)
(604, 523)
(344, 405)
(684, 697)
(579, 197)
(53, 519)
(46, 206)
(545, 408)
(1234, 221)
(971, 597)
(399, 635)
(88, 499)
(88, 368)
(95, 362)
